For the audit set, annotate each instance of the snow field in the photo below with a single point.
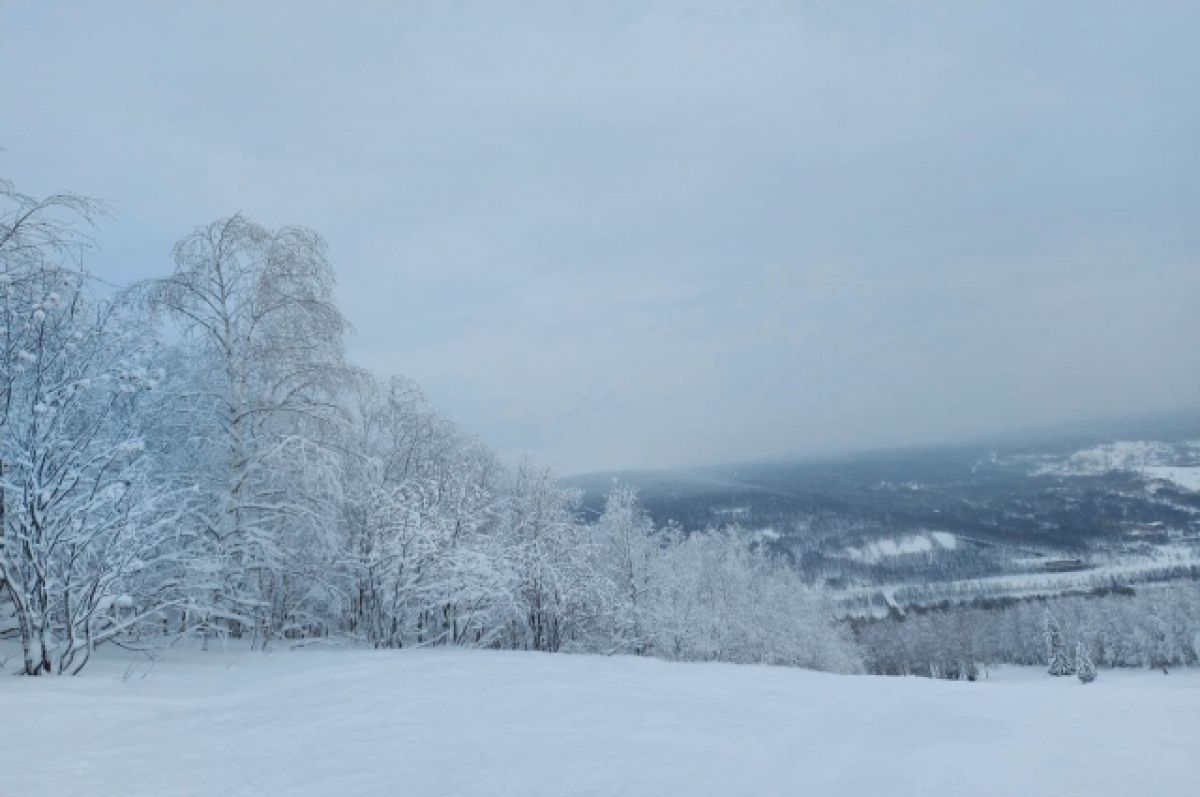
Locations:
(458, 722)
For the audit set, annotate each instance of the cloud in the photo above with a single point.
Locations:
(658, 234)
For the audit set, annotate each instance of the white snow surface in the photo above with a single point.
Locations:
(876, 550)
(1122, 455)
(1186, 477)
(457, 722)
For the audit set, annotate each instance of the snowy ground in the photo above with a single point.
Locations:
(453, 722)
(1186, 477)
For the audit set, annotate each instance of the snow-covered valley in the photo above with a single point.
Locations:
(459, 722)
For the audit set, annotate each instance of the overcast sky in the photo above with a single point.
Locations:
(634, 235)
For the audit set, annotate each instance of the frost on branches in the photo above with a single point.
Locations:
(84, 526)
(259, 320)
(417, 558)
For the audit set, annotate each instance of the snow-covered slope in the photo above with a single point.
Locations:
(1153, 459)
(1186, 477)
(453, 722)
(1128, 455)
(907, 545)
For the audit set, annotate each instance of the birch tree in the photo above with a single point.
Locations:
(627, 553)
(550, 556)
(257, 308)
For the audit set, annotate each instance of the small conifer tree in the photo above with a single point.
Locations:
(1085, 669)
(1057, 658)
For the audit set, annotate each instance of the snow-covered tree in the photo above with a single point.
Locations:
(1058, 662)
(86, 524)
(626, 554)
(721, 597)
(40, 243)
(417, 498)
(547, 554)
(1084, 668)
(86, 528)
(257, 311)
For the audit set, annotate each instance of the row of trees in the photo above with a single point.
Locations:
(195, 455)
(1156, 626)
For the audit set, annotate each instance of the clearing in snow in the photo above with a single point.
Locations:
(459, 722)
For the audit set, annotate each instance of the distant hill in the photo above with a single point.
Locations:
(1061, 500)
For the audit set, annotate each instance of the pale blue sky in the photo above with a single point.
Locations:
(632, 235)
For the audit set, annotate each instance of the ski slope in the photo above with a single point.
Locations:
(456, 722)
